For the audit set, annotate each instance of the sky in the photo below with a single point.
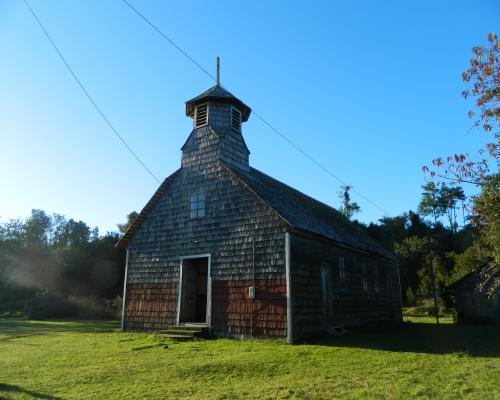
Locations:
(371, 90)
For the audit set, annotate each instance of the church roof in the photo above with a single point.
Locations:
(218, 93)
(300, 211)
(307, 214)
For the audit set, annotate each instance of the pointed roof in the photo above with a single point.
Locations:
(221, 95)
(299, 211)
(307, 214)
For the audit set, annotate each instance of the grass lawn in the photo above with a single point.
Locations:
(92, 360)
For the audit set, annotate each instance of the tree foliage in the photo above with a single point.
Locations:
(51, 266)
(130, 219)
(483, 78)
(348, 207)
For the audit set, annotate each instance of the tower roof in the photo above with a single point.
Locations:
(219, 94)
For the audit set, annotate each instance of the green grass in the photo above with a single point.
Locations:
(92, 360)
(427, 320)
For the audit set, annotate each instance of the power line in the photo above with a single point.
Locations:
(88, 95)
(284, 137)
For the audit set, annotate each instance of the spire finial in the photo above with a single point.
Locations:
(218, 71)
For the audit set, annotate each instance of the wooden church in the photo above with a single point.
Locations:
(225, 246)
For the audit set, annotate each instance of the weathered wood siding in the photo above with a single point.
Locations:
(149, 305)
(349, 303)
(237, 315)
(474, 306)
(237, 231)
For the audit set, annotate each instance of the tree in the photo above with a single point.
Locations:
(483, 75)
(37, 228)
(348, 207)
(130, 219)
(51, 266)
(410, 297)
(449, 197)
(487, 217)
(431, 203)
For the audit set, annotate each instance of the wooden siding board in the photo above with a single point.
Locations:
(350, 304)
(473, 305)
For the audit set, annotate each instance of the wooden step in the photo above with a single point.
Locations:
(191, 328)
(184, 331)
(178, 338)
(180, 332)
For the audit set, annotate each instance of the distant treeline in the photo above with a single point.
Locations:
(54, 267)
(450, 252)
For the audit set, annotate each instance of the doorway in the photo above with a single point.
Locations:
(194, 291)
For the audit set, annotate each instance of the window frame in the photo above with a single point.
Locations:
(364, 276)
(376, 281)
(342, 274)
(197, 208)
(196, 125)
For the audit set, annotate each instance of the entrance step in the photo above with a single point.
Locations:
(184, 332)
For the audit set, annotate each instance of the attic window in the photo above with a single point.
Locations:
(236, 119)
(197, 205)
(201, 115)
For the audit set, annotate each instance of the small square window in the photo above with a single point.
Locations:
(197, 205)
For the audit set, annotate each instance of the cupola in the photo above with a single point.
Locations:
(199, 108)
(217, 135)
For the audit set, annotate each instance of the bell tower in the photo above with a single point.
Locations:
(218, 117)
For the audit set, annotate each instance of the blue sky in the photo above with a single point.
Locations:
(369, 89)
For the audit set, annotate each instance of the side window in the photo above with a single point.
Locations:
(364, 274)
(342, 269)
(376, 283)
(326, 283)
(197, 205)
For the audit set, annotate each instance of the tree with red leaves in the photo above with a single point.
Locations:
(483, 76)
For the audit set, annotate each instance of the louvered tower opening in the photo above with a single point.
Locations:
(201, 117)
(236, 119)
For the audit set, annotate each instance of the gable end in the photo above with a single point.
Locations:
(132, 229)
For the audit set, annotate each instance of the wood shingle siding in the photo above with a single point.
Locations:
(350, 304)
(260, 260)
(234, 314)
(150, 305)
(473, 305)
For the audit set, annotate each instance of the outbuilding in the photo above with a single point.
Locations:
(473, 302)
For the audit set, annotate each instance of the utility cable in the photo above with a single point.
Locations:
(98, 109)
(284, 137)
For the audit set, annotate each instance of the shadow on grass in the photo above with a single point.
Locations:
(18, 328)
(482, 341)
(13, 389)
